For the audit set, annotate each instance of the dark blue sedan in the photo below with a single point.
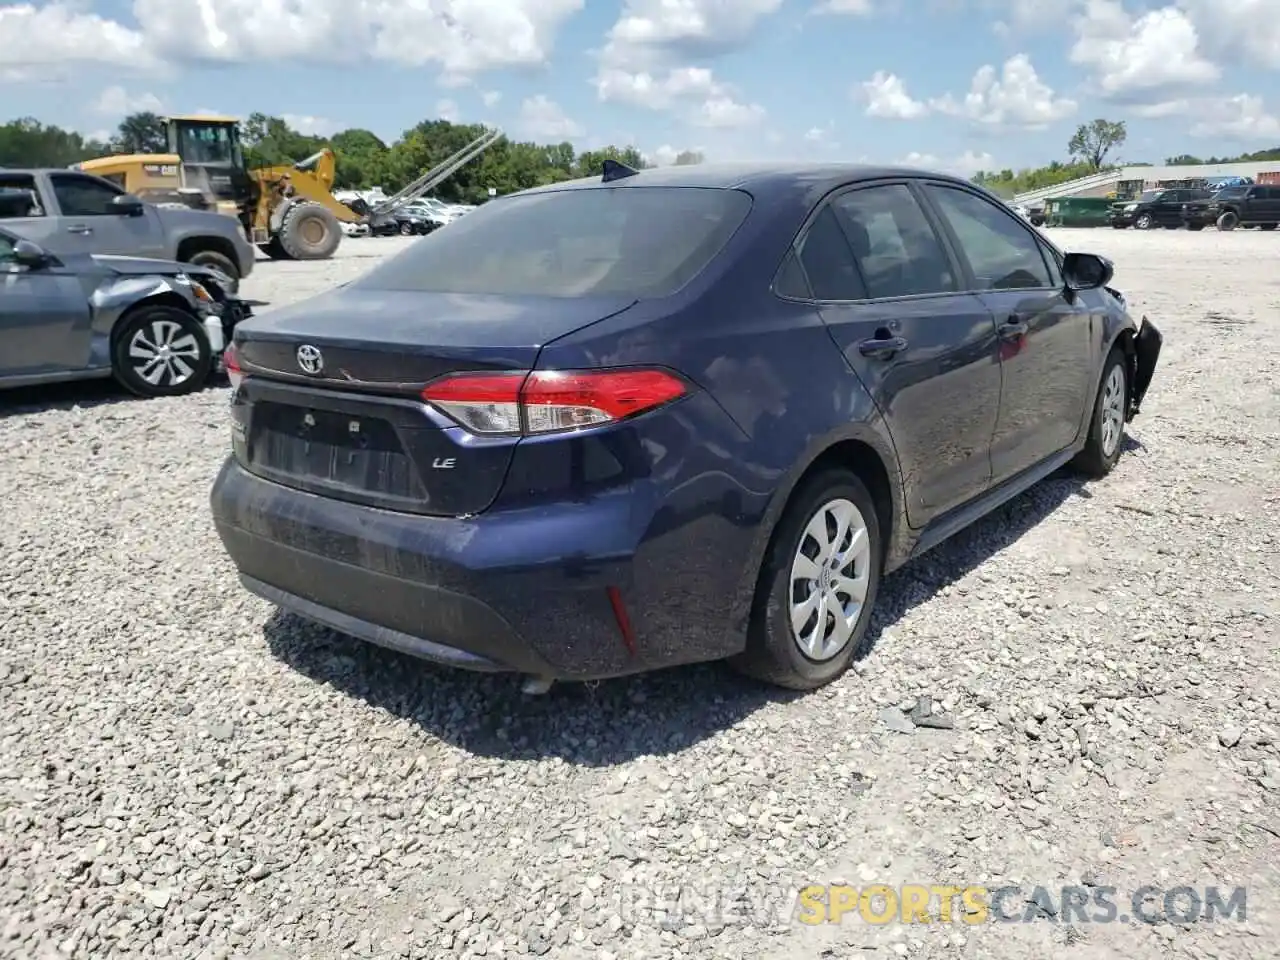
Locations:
(666, 416)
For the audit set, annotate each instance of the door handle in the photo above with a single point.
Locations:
(1013, 329)
(882, 347)
(80, 228)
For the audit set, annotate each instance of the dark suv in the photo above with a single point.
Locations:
(1253, 205)
(1154, 208)
(666, 416)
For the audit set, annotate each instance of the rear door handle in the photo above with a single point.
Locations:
(80, 228)
(1013, 329)
(882, 347)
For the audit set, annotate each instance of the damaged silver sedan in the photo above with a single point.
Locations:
(156, 326)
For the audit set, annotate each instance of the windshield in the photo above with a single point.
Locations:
(1231, 193)
(608, 241)
(209, 144)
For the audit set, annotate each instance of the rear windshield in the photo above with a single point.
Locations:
(610, 241)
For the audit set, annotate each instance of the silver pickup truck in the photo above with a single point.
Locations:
(67, 212)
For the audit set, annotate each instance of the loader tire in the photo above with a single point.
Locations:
(309, 232)
(273, 249)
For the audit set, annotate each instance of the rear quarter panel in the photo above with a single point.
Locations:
(774, 394)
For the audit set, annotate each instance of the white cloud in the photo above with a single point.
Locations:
(543, 119)
(491, 97)
(1242, 29)
(461, 38)
(965, 165)
(650, 58)
(1134, 59)
(887, 97)
(118, 102)
(447, 110)
(311, 126)
(1242, 117)
(1015, 97)
(38, 40)
(1030, 16)
(666, 155)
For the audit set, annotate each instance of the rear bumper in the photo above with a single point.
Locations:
(490, 593)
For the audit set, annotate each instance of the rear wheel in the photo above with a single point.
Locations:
(1266, 226)
(309, 232)
(818, 586)
(407, 229)
(1106, 429)
(161, 351)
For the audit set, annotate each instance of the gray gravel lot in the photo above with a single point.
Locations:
(185, 773)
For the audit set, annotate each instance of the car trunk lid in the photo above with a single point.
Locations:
(330, 399)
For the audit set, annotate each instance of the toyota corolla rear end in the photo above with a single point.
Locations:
(413, 465)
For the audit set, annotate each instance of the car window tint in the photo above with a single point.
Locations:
(828, 260)
(630, 241)
(6, 250)
(19, 197)
(82, 196)
(1054, 262)
(791, 280)
(1002, 253)
(896, 249)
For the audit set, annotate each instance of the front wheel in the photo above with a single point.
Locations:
(818, 586)
(161, 351)
(1144, 222)
(1106, 429)
(1228, 221)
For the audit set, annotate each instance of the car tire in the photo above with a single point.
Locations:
(274, 250)
(406, 229)
(1266, 226)
(309, 232)
(1144, 222)
(1106, 436)
(774, 651)
(218, 261)
(1228, 221)
(1195, 227)
(146, 327)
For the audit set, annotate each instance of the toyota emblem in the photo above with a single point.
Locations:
(310, 359)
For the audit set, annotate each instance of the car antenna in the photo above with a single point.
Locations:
(616, 170)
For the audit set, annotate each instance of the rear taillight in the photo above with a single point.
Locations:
(231, 364)
(550, 401)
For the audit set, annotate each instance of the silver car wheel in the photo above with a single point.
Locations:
(1112, 410)
(829, 579)
(164, 354)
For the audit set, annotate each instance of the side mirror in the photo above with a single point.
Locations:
(30, 254)
(1086, 271)
(127, 205)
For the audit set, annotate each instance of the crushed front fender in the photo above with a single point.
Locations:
(1146, 352)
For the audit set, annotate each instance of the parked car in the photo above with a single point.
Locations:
(407, 223)
(1154, 208)
(157, 326)
(1242, 206)
(67, 212)
(591, 430)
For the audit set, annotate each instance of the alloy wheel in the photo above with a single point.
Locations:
(1112, 410)
(164, 354)
(829, 578)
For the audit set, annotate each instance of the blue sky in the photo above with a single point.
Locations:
(958, 84)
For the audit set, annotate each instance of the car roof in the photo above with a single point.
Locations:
(755, 178)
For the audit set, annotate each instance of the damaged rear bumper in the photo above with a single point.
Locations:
(1146, 352)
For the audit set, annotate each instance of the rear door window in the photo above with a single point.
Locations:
(609, 241)
(896, 248)
(19, 196)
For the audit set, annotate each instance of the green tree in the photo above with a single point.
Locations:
(362, 159)
(26, 142)
(687, 158)
(141, 133)
(1092, 142)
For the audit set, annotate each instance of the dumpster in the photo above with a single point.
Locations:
(1078, 211)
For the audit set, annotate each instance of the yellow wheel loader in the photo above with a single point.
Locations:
(289, 211)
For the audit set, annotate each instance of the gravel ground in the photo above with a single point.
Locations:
(184, 773)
